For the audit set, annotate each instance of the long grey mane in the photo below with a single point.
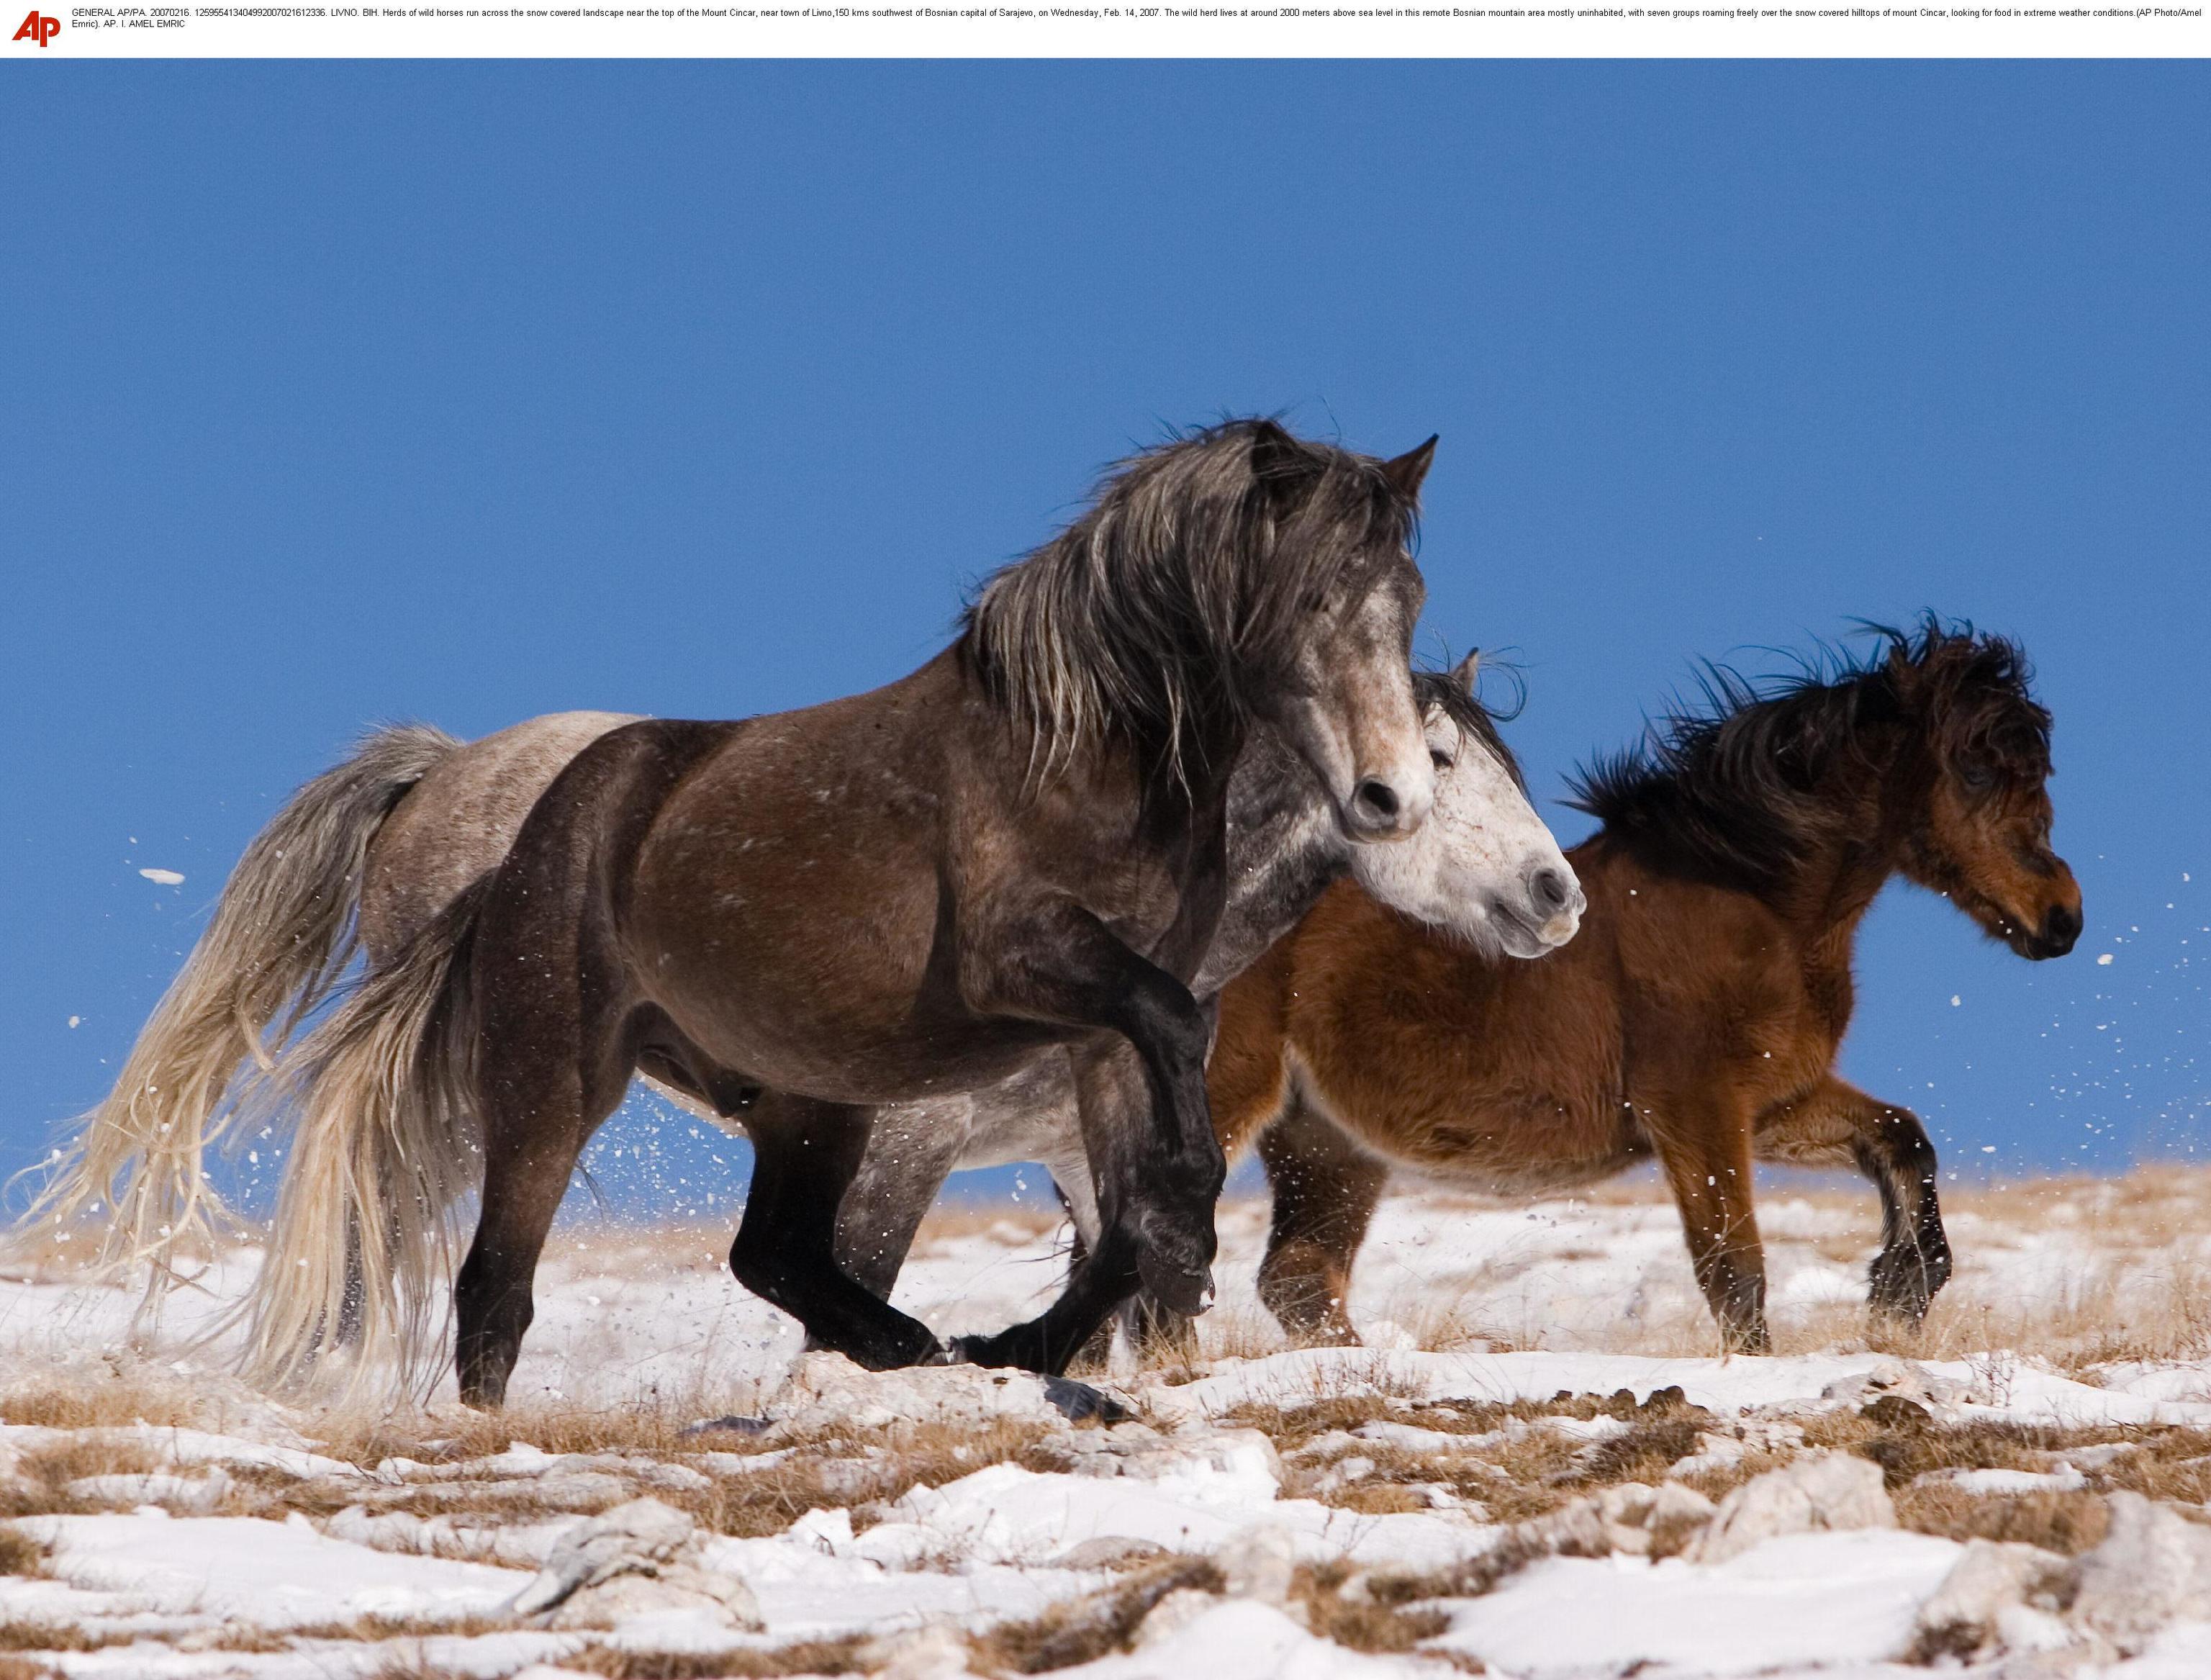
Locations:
(1183, 585)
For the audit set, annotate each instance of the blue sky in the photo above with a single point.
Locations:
(331, 393)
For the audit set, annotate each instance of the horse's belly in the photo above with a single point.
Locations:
(1517, 1147)
(1029, 1117)
(889, 1067)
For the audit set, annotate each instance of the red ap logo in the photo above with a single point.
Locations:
(38, 27)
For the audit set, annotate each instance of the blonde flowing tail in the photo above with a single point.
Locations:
(282, 934)
(350, 1300)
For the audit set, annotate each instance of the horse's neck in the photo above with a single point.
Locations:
(1284, 849)
(1831, 890)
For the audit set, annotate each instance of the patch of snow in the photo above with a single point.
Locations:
(1804, 1600)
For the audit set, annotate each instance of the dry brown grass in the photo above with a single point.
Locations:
(767, 1502)
(88, 1405)
(414, 1665)
(827, 1656)
(21, 1636)
(2066, 1523)
(1483, 1572)
(447, 1437)
(1083, 1630)
(1528, 1473)
(42, 1487)
(19, 1555)
(1360, 1623)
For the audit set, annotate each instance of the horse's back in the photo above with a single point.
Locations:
(460, 819)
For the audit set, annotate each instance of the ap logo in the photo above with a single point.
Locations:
(38, 27)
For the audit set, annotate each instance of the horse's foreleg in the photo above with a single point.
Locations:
(805, 1154)
(1704, 1144)
(1112, 1093)
(1146, 1125)
(1839, 1124)
(1325, 1190)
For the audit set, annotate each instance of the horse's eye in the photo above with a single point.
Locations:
(1440, 759)
(1978, 774)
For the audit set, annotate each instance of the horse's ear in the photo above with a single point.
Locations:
(1274, 451)
(1466, 673)
(1278, 465)
(1406, 472)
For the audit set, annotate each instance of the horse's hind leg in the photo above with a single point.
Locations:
(910, 1151)
(805, 1154)
(541, 1102)
(1839, 1124)
(1325, 1190)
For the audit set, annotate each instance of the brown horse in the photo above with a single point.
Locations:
(1697, 1015)
(1016, 852)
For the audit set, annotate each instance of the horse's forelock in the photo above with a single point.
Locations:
(1977, 689)
(1442, 691)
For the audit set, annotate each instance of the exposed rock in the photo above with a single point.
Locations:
(1827, 1490)
(1899, 1380)
(1135, 1450)
(1174, 1612)
(1894, 1411)
(1631, 1518)
(1259, 1563)
(2154, 1567)
(1108, 1551)
(1966, 1615)
(639, 1558)
(937, 1652)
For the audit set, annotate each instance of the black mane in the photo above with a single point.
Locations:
(1731, 792)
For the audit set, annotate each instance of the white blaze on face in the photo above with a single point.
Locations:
(1483, 866)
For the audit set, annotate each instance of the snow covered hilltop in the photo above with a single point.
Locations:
(1539, 1467)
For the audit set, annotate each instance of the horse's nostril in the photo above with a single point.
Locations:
(1548, 887)
(1378, 799)
(2062, 925)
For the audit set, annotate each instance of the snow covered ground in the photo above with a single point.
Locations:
(1539, 1467)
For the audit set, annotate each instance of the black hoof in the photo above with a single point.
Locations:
(1179, 1289)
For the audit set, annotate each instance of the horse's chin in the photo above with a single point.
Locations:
(1505, 933)
(2016, 935)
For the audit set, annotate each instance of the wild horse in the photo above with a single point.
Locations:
(1016, 851)
(1482, 865)
(1697, 1016)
